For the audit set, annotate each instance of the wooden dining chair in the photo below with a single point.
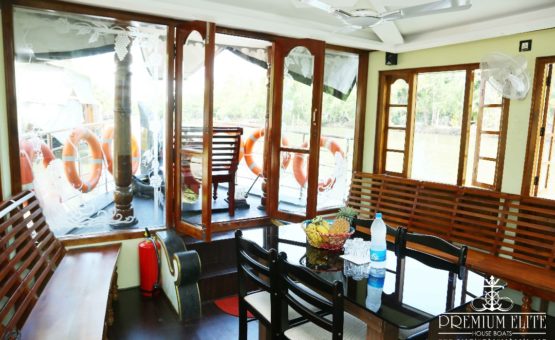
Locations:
(366, 224)
(439, 246)
(257, 266)
(319, 303)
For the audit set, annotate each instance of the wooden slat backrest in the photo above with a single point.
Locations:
(496, 223)
(433, 210)
(369, 194)
(29, 254)
(226, 142)
(477, 220)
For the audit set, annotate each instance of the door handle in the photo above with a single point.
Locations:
(314, 117)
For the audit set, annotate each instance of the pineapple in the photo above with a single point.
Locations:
(343, 219)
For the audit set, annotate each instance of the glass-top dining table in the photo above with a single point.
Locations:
(414, 294)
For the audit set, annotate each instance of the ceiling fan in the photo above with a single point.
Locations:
(367, 18)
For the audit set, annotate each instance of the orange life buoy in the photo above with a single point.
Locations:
(70, 158)
(298, 164)
(241, 149)
(107, 138)
(27, 157)
(249, 145)
(25, 168)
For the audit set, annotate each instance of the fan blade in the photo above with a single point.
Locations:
(319, 5)
(388, 33)
(441, 6)
(347, 29)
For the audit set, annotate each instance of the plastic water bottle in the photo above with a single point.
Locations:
(374, 292)
(378, 247)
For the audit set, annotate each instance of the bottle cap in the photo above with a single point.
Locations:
(379, 215)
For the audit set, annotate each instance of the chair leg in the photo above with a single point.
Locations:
(242, 320)
(231, 197)
(215, 194)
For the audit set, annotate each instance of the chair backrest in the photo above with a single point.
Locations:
(254, 263)
(366, 224)
(29, 254)
(293, 282)
(226, 144)
(436, 243)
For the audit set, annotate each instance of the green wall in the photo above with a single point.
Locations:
(4, 157)
(543, 44)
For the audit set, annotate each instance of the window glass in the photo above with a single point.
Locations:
(399, 92)
(338, 128)
(396, 140)
(394, 162)
(485, 134)
(192, 128)
(296, 119)
(397, 117)
(438, 121)
(546, 174)
(296, 113)
(91, 104)
(240, 101)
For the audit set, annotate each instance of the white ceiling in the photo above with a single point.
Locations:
(486, 19)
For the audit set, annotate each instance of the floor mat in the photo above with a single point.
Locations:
(230, 305)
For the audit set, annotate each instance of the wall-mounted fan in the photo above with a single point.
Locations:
(507, 74)
(363, 18)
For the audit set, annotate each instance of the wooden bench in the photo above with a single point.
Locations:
(509, 236)
(46, 291)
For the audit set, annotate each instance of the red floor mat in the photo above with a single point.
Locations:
(230, 305)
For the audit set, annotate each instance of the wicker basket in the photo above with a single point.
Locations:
(333, 242)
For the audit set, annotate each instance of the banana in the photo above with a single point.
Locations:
(322, 229)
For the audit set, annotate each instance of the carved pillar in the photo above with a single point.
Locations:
(123, 194)
(267, 149)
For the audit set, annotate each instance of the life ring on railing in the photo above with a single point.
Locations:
(107, 138)
(249, 145)
(69, 157)
(298, 164)
(27, 157)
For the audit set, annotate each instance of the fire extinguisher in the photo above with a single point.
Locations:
(149, 265)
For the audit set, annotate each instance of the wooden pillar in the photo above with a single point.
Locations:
(123, 194)
(267, 152)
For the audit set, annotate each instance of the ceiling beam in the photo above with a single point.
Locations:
(513, 24)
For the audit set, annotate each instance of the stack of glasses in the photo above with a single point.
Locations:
(358, 249)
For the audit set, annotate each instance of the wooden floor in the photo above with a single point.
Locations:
(140, 318)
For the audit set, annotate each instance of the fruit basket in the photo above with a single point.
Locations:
(319, 236)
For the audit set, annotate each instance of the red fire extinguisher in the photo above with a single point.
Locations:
(149, 265)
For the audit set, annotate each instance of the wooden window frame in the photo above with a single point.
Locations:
(502, 138)
(382, 123)
(533, 147)
(387, 80)
(124, 15)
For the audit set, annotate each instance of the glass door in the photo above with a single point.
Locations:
(295, 127)
(193, 128)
